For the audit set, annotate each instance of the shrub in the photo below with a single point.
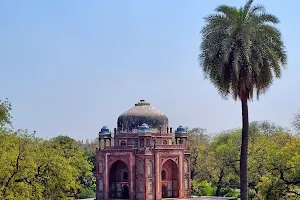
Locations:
(229, 192)
(271, 188)
(251, 194)
(86, 193)
(203, 188)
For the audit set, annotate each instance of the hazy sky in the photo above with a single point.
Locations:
(71, 66)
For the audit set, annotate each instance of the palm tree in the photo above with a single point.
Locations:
(241, 53)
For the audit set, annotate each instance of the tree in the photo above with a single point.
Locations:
(70, 150)
(225, 152)
(296, 122)
(34, 169)
(198, 140)
(241, 53)
(89, 182)
(5, 116)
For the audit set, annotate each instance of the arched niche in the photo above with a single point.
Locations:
(150, 168)
(100, 167)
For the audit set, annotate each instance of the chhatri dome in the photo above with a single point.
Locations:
(142, 113)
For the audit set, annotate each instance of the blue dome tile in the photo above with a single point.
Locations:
(144, 127)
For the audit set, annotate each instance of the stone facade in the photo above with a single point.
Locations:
(145, 162)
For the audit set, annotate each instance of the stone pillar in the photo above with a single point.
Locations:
(146, 175)
(106, 180)
(132, 178)
(181, 176)
(184, 141)
(157, 178)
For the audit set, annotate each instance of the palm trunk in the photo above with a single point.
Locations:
(244, 152)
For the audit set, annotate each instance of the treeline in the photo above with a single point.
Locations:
(32, 168)
(274, 157)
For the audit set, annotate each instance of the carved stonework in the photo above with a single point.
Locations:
(140, 185)
(100, 185)
(186, 183)
(140, 168)
(175, 159)
(186, 166)
(150, 186)
(113, 159)
(100, 167)
(150, 168)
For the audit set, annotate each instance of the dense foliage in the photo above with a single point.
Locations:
(274, 154)
(34, 168)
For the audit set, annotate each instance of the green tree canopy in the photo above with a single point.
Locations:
(33, 169)
(5, 116)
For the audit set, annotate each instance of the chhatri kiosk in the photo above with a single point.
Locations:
(143, 159)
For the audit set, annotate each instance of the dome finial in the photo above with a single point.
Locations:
(142, 103)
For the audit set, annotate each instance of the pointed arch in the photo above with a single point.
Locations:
(169, 178)
(118, 177)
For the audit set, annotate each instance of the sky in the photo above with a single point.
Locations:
(70, 67)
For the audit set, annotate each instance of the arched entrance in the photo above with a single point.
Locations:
(118, 181)
(169, 179)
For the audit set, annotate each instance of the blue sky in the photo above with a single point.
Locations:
(69, 67)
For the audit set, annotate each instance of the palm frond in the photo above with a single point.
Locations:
(228, 11)
(241, 50)
(257, 8)
(265, 17)
(247, 6)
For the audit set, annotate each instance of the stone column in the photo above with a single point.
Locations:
(106, 175)
(132, 177)
(181, 176)
(146, 172)
(157, 177)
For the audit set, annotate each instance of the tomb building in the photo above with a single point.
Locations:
(143, 158)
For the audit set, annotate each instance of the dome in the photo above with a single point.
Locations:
(104, 130)
(144, 127)
(142, 113)
(180, 129)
